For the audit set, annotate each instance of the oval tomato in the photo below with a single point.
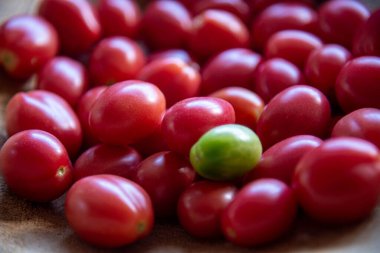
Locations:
(367, 38)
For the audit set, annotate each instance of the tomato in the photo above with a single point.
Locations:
(171, 53)
(174, 77)
(292, 45)
(275, 75)
(297, 110)
(109, 211)
(26, 44)
(357, 83)
(127, 112)
(164, 176)
(261, 212)
(280, 160)
(247, 104)
(367, 39)
(257, 6)
(115, 59)
(214, 31)
(232, 67)
(44, 110)
(65, 77)
(343, 16)
(35, 165)
(106, 159)
(119, 17)
(165, 24)
(338, 182)
(151, 144)
(187, 120)
(201, 205)
(76, 22)
(226, 152)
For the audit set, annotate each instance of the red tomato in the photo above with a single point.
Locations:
(261, 212)
(65, 77)
(174, 77)
(247, 104)
(171, 53)
(214, 31)
(232, 67)
(186, 121)
(106, 159)
(164, 175)
(281, 159)
(338, 182)
(357, 84)
(297, 110)
(151, 144)
(127, 112)
(46, 111)
(26, 44)
(201, 205)
(119, 17)
(367, 38)
(115, 59)
(108, 210)
(166, 24)
(35, 165)
(275, 75)
(75, 21)
(292, 45)
(257, 6)
(340, 20)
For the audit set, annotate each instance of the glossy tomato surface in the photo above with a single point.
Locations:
(367, 39)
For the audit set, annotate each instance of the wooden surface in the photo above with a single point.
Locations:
(30, 227)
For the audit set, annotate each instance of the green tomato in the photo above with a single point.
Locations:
(226, 152)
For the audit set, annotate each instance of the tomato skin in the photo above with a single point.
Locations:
(337, 182)
(44, 110)
(187, 120)
(171, 53)
(65, 77)
(201, 205)
(252, 218)
(108, 210)
(257, 6)
(288, 114)
(35, 165)
(72, 19)
(367, 38)
(357, 83)
(115, 59)
(280, 160)
(26, 44)
(127, 112)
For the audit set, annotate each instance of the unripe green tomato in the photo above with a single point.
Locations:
(226, 152)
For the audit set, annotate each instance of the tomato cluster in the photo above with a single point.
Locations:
(229, 115)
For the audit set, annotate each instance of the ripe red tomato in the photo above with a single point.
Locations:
(257, 6)
(367, 38)
(151, 144)
(65, 77)
(115, 59)
(44, 110)
(261, 212)
(108, 210)
(127, 112)
(186, 121)
(172, 53)
(35, 165)
(338, 182)
(76, 22)
(201, 205)
(26, 44)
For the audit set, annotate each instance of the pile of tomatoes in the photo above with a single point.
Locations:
(232, 116)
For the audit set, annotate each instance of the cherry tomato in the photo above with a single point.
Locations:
(338, 182)
(357, 83)
(171, 53)
(127, 112)
(35, 165)
(186, 121)
(65, 77)
(367, 38)
(297, 110)
(261, 212)
(115, 59)
(108, 210)
(151, 144)
(76, 22)
(257, 6)
(44, 110)
(201, 205)
(232, 67)
(26, 44)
